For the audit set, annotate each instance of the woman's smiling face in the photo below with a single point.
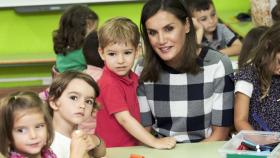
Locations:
(167, 35)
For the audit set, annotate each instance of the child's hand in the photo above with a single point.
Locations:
(89, 125)
(165, 143)
(198, 29)
(197, 25)
(79, 145)
(93, 141)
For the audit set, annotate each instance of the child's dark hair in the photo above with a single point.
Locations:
(275, 13)
(90, 50)
(249, 42)
(199, 5)
(73, 28)
(62, 80)
(16, 102)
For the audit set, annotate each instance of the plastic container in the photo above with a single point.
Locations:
(230, 148)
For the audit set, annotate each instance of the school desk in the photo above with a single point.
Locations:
(185, 150)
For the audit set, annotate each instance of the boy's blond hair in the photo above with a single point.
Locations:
(118, 30)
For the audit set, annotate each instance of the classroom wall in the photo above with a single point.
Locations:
(231, 5)
(32, 33)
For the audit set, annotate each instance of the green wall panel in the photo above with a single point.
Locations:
(29, 36)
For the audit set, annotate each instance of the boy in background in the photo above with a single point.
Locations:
(119, 116)
(211, 33)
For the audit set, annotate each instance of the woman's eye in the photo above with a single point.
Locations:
(168, 28)
(73, 97)
(151, 32)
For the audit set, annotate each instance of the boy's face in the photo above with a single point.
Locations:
(207, 18)
(119, 57)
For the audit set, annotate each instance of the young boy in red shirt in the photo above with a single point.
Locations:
(119, 116)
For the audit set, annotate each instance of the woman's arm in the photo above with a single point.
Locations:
(218, 134)
(241, 112)
(139, 132)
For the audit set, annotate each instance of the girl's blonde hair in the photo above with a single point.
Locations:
(19, 101)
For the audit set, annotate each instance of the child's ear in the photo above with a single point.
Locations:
(101, 53)
(53, 105)
(138, 51)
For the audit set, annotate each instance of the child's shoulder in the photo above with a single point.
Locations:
(107, 79)
(222, 28)
(214, 56)
(248, 73)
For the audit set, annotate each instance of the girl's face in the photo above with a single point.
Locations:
(29, 132)
(167, 35)
(75, 103)
(276, 70)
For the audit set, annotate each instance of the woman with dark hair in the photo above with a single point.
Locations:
(185, 91)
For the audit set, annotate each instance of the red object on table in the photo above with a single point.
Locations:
(136, 156)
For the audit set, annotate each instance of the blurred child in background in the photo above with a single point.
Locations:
(72, 100)
(75, 24)
(119, 115)
(249, 42)
(93, 59)
(26, 126)
(257, 92)
(209, 31)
